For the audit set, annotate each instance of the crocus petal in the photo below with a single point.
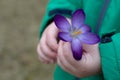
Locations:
(78, 18)
(76, 47)
(85, 28)
(65, 36)
(89, 38)
(62, 23)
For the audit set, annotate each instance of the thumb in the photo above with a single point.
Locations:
(52, 33)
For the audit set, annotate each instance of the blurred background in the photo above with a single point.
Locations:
(19, 29)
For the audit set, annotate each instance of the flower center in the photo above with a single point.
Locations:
(75, 33)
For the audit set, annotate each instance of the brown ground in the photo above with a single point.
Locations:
(19, 27)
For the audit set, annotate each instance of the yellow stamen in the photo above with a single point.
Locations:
(75, 33)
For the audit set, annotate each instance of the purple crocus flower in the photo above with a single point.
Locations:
(76, 33)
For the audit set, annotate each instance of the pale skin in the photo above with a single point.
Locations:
(50, 51)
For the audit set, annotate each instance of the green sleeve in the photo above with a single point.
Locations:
(110, 58)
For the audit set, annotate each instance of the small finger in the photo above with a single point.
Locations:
(69, 55)
(62, 60)
(42, 58)
(47, 51)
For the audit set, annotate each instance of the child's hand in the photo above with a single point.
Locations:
(88, 65)
(47, 47)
